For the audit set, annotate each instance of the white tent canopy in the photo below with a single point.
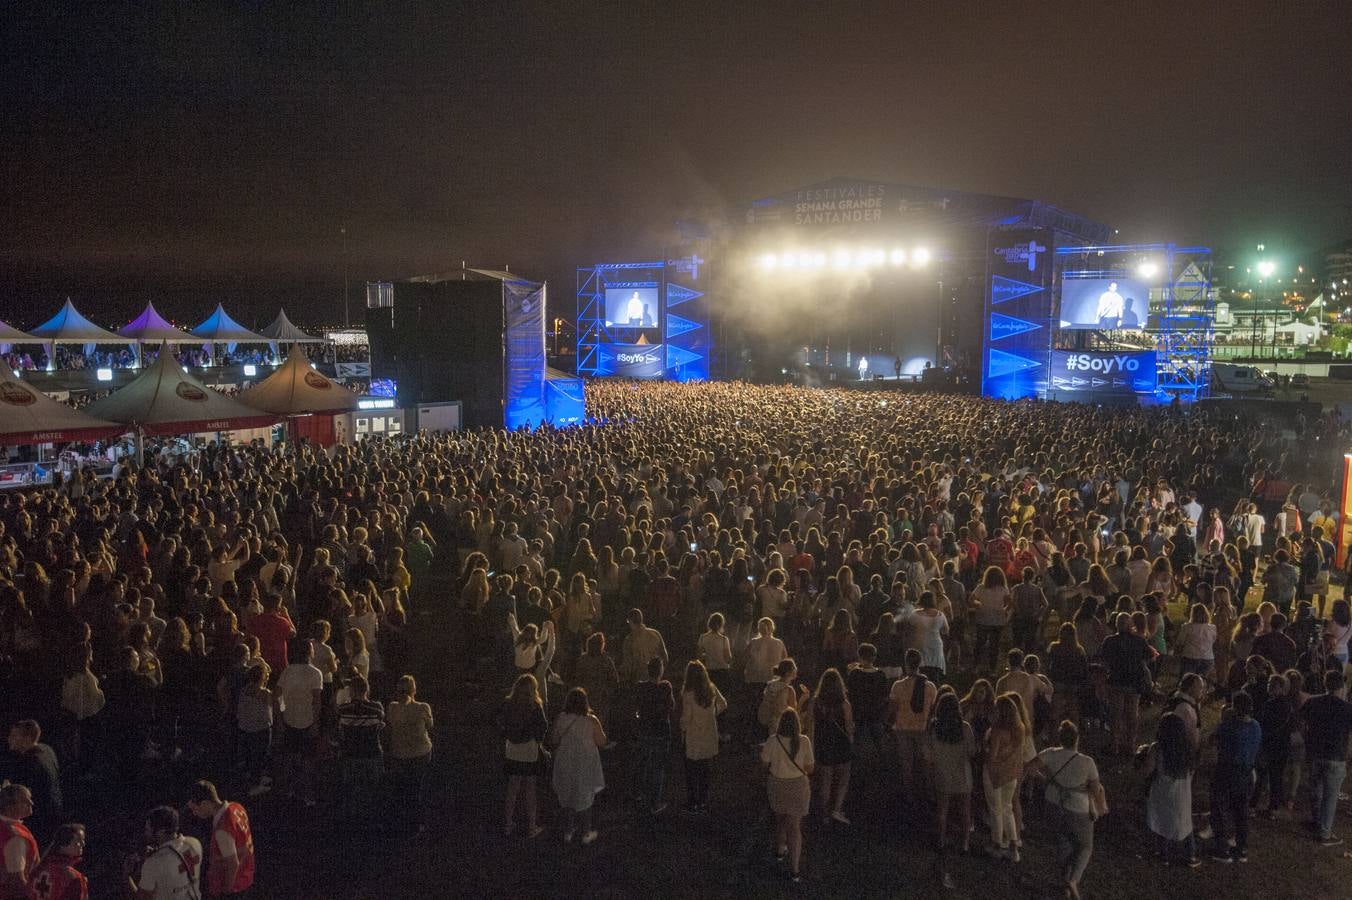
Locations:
(282, 331)
(219, 328)
(11, 335)
(296, 388)
(70, 327)
(28, 416)
(167, 400)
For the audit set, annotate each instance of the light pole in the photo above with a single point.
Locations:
(1265, 269)
(347, 320)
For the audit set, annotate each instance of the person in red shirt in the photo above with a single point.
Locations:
(17, 845)
(230, 853)
(56, 877)
(1000, 553)
(274, 629)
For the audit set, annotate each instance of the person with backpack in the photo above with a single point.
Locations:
(1077, 799)
(912, 700)
(780, 694)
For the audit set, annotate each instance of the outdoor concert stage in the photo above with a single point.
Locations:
(845, 280)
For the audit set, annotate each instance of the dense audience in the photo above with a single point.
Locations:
(938, 596)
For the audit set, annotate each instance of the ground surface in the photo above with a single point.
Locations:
(883, 854)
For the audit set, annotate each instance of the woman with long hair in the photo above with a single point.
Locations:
(991, 603)
(840, 644)
(788, 755)
(952, 749)
(1169, 764)
(1223, 616)
(1338, 631)
(830, 720)
(1196, 644)
(1068, 669)
(595, 672)
(521, 720)
(701, 704)
(409, 724)
(578, 738)
(1000, 776)
(715, 650)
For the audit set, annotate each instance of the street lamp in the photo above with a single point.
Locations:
(1265, 269)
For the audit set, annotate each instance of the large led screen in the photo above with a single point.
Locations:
(1103, 303)
(632, 306)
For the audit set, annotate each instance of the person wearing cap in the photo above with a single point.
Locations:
(172, 866)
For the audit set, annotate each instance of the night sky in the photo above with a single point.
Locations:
(215, 154)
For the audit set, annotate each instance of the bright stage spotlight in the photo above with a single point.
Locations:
(840, 259)
(1148, 269)
(920, 256)
(769, 261)
(789, 261)
(816, 260)
(898, 257)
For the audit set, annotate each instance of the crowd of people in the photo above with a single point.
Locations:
(74, 357)
(965, 601)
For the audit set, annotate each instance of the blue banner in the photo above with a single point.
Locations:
(633, 360)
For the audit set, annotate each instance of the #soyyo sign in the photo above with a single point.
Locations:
(1098, 372)
(634, 360)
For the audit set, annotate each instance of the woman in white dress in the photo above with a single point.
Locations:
(929, 627)
(1168, 805)
(578, 738)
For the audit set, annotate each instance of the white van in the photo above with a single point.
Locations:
(1232, 379)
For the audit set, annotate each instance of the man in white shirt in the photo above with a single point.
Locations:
(174, 866)
(513, 548)
(633, 310)
(1193, 510)
(1253, 527)
(300, 690)
(1110, 305)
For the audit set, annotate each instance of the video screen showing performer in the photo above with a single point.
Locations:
(1104, 303)
(632, 307)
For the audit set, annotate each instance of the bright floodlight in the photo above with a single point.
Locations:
(769, 261)
(789, 261)
(104, 374)
(1147, 269)
(841, 259)
(898, 257)
(1266, 268)
(920, 256)
(250, 370)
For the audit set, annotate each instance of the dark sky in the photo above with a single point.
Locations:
(214, 153)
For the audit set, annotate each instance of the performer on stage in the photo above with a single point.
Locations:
(1110, 305)
(634, 310)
